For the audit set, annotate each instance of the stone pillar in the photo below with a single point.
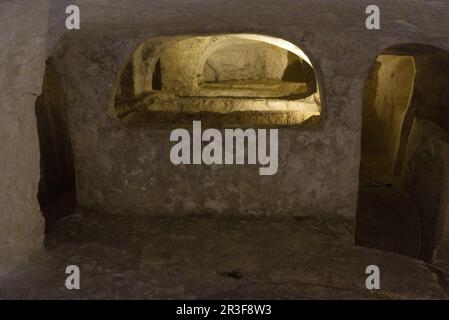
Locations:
(23, 30)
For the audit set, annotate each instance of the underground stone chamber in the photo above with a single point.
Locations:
(110, 143)
(106, 138)
(226, 80)
(56, 191)
(403, 204)
(108, 108)
(107, 119)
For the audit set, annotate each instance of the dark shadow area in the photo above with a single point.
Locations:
(248, 76)
(56, 193)
(299, 71)
(157, 76)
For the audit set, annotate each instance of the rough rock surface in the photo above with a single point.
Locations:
(332, 33)
(426, 178)
(210, 257)
(22, 65)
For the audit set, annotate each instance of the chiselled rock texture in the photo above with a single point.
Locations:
(318, 169)
(406, 123)
(217, 257)
(426, 177)
(118, 166)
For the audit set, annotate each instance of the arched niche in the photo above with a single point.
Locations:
(404, 181)
(235, 79)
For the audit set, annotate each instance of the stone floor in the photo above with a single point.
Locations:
(215, 257)
(386, 218)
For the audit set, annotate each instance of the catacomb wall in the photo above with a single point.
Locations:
(388, 96)
(122, 166)
(272, 62)
(424, 174)
(426, 179)
(322, 165)
(56, 164)
(267, 85)
(406, 118)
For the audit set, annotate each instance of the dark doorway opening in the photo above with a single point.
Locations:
(56, 192)
(402, 205)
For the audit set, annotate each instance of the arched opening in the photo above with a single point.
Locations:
(234, 79)
(403, 202)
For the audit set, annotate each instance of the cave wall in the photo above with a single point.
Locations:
(244, 60)
(341, 48)
(222, 58)
(426, 179)
(406, 117)
(431, 94)
(121, 166)
(22, 65)
(184, 64)
(426, 135)
(388, 95)
(124, 167)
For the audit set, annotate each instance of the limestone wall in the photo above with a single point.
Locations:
(22, 64)
(426, 179)
(394, 80)
(431, 96)
(319, 168)
(189, 62)
(120, 166)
